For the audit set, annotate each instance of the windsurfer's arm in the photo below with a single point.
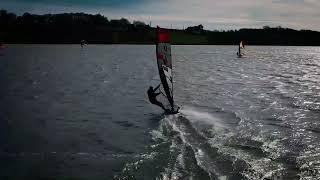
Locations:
(157, 93)
(157, 87)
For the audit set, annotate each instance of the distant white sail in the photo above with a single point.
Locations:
(241, 45)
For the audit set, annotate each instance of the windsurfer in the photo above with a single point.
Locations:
(82, 43)
(153, 97)
(241, 48)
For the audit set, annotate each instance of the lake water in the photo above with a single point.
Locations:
(83, 113)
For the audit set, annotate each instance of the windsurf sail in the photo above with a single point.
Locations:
(241, 45)
(164, 61)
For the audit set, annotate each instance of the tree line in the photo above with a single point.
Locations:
(73, 27)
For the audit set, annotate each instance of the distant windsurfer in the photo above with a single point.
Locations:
(241, 47)
(82, 43)
(152, 94)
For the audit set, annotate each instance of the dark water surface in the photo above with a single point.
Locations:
(83, 113)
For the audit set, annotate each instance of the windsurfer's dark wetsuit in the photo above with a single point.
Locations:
(153, 97)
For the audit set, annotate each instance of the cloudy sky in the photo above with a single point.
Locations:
(213, 14)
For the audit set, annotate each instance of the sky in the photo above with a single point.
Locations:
(212, 14)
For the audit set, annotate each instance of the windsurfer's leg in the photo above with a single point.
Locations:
(178, 109)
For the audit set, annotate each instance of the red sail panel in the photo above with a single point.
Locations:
(162, 36)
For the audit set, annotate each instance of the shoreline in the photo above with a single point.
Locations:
(174, 44)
